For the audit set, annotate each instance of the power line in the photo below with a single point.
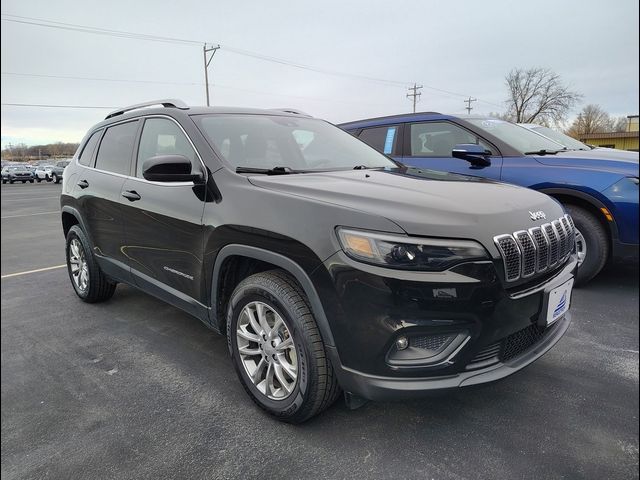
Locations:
(157, 38)
(42, 105)
(415, 95)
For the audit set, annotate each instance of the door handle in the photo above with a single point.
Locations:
(83, 184)
(131, 195)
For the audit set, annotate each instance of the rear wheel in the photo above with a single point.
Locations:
(88, 281)
(592, 243)
(277, 349)
(55, 179)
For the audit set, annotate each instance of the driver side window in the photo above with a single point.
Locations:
(161, 136)
(437, 139)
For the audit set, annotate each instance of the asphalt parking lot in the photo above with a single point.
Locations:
(133, 388)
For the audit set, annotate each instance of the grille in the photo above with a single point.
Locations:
(511, 256)
(527, 252)
(430, 342)
(521, 341)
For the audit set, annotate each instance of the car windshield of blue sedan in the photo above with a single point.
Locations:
(299, 144)
(518, 137)
(569, 142)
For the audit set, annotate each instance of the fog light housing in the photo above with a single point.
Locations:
(428, 350)
(402, 343)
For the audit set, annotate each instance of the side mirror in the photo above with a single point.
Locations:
(476, 155)
(169, 168)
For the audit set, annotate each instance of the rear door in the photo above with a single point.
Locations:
(98, 191)
(429, 145)
(163, 220)
(386, 139)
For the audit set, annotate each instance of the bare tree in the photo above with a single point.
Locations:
(620, 124)
(593, 119)
(538, 95)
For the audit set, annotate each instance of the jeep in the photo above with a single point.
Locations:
(329, 267)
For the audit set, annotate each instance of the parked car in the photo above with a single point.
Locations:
(327, 265)
(16, 173)
(599, 190)
(44, 172)
(57, 171)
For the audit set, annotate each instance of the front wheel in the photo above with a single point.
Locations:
(592, 243)
(87, 279)
(55, 178)
(277, 349)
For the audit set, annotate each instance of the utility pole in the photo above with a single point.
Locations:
(468, 101)
(415, 95)
(207, 61)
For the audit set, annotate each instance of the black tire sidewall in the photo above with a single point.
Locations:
(294, 402)
(595, 237)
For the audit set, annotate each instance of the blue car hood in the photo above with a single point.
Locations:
(603, 160)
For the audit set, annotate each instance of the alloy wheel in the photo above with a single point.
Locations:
(581, 247)
(267, 351)
(79, 266)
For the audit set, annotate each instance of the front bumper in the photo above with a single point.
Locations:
(372, 306)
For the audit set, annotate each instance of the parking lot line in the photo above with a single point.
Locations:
(33, 271)
(29, 214)
(26, 198)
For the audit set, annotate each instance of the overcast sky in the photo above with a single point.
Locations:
(464, 47)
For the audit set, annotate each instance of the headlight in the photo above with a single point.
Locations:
(432, 254)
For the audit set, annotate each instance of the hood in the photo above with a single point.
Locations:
(424, 202)
(600, 159)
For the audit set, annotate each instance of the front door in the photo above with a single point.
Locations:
(429, 145)
(163, 221)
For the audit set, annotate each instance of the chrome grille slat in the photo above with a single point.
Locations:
(527, 252)
(554, 241)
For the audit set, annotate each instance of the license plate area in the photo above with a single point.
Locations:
(558, 302)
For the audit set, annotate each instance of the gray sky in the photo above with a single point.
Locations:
(462, 46)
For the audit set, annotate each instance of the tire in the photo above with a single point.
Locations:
(4, 181)
(24, 181)
(596, 241)
(98, 288)
(47, 178)
(316, 386)
(11, 182)
(30, 181)
(38, 179)
(55, 179)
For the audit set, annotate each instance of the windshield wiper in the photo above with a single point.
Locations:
(543, 152)
(267, 171)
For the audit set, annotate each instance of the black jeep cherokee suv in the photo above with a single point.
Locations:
(328, 266)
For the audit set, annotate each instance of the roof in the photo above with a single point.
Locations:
(589, 136)
(405, 117)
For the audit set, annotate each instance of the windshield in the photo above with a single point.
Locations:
(569, 142)
(265, 142)
(518, 137)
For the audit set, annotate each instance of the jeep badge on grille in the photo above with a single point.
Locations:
(539, 215)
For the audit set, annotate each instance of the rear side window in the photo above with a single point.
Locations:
(162, 137)
(89, 147)
(116, 148)
(383, 139)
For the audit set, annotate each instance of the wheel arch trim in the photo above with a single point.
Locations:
(280, 261)
(591, 200)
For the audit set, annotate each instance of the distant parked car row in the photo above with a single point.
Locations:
(29, 173)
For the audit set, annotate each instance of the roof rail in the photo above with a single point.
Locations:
(291, 110)
(167, 103)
